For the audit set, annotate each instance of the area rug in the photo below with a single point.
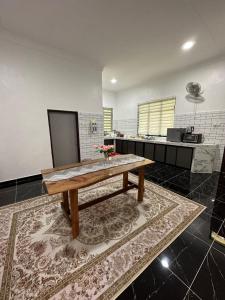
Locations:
(118, 239)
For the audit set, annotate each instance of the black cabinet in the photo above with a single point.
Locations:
(171, 155)
(160, 151)
(119, 146)
(184, 157)
(174, 155)
(124, 147)
(140, 148)
(149, 151)
(131, 147)
(108, 142)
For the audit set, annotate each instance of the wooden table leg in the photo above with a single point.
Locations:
(141, 178)
(74, 212)
(65, 202)
(125, 180)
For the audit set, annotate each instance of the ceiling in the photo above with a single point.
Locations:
(134, 40)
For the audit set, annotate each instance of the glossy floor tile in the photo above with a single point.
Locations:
(210, 281)
(214, 207)
(157, 282)
(186, 248)
(203, 226)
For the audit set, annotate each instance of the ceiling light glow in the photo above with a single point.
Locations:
(113, 80)
(188, 45)
(165, 262)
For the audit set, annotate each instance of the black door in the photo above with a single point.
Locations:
(149, 151)
(140, 148)
(119, 146)
(184, 157)
(124, 147)
(171, 155)
(160, 151)
(131, 147)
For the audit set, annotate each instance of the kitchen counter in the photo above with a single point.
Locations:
(203, 154)
(192, 145)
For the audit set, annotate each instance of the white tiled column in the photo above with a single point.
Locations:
(87, 138)
(211, 125)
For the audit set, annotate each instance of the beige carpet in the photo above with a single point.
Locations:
(118, 239)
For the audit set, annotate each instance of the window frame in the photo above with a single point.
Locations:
(154, 101)
(111, 109)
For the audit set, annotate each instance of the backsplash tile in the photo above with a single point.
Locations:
(87, 138)
(211, 125)
(127, 126)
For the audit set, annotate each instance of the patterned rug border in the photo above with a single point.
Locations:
(118, 287)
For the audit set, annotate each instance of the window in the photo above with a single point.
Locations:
(155, 117)
(108, 119)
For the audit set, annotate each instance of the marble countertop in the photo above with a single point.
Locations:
(161, 142)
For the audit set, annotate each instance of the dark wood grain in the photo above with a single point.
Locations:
(65, 202)
(141, 178)
(74, 212)
(125, 180)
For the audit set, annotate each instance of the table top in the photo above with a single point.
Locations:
(89, 178)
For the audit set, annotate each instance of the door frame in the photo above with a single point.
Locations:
(75, 113)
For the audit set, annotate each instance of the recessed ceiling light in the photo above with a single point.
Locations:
(113, 80)
(188, 45)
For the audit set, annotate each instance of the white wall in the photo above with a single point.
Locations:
(32, 80)
(109, 99)
(211, 75)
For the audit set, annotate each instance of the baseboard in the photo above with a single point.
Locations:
(21, 180)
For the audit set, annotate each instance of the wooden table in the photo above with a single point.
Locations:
(69, 187)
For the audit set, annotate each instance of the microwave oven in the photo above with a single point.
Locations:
(195, 138)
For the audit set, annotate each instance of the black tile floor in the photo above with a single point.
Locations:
(193, 266)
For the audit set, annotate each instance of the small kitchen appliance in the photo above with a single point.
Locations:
(195, 138)
(175, 134)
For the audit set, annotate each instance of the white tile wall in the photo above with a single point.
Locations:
(127, 126)
(211, 124)
(88, 139)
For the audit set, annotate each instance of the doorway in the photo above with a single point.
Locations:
(64, 135)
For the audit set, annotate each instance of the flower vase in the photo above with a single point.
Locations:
(106, 155)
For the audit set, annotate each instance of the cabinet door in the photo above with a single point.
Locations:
(124, 147)
(109, 142)
(160, 151)
(131, 147)
(140, 148)
(119, 146)
(184, 157)
(149, 151)
(171, 155)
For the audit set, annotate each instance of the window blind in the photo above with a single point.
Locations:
(108, 119)
(155, 117)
